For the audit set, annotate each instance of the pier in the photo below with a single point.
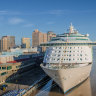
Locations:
(25, 81)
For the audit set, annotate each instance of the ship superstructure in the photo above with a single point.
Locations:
(68, 58)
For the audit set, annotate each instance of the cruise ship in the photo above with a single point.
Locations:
(68, 58)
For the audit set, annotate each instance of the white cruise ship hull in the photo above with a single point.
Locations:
(68, 78)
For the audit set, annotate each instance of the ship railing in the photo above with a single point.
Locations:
(68, 43)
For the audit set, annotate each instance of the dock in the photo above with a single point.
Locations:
(25, 81)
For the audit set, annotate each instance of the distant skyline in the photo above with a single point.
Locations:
(20, 18)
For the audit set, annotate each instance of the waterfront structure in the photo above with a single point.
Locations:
(7, 42)
(25, 42)
(50, 35)
(68, 58)
(12, 64)
(38, 38)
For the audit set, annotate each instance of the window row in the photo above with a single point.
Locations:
(4, 68)
(66, 51)
(4, 73)
(66, 47)
(58, 55)
(67, 59)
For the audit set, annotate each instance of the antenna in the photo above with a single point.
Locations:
(71, 28)
(71, 24)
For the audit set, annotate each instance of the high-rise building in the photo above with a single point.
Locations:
(25, 42)
(50, 35)
(44, 41)
(7, 42)
(0, 45)
(38, 38)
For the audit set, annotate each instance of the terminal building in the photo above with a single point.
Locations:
(18, 61)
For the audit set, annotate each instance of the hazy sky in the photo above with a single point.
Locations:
(20, 17)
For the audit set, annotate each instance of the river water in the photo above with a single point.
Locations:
(87, 88)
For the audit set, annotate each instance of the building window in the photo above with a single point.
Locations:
(58, 59)
(3, 73)
(69, 59)
(4, 68)
(9, 67)
(18, 66)
(81, 59)
(59, 51)
(64, 51)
